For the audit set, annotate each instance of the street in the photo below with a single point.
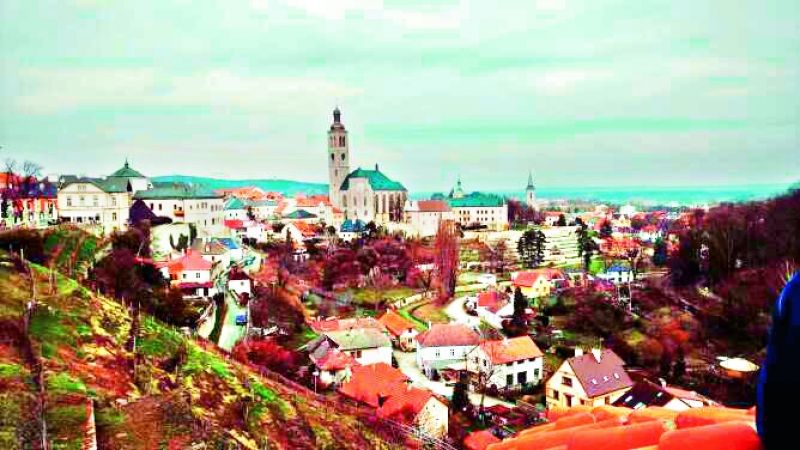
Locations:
(406, 362)
(455, 310)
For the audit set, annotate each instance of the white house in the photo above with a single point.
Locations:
(424, 216)
(419, 408)
(102, 202)
(507, 363)
(213, 252)
(235, 209)
(402, 330)
(352, 229)
(240, 283)
(365, 345)
(494, 307)
(191, 274)
(617, 274)
(478, 209)
(185, 203)
(263, 209)
(442, 345)
(593, 379)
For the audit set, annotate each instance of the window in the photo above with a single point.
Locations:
(452, 352)
(197, 275)
(160, 206)
(358, 354)
(567, 400)
(536, 373)
(69, 201)
(438, 353)
(522, 377)
(555, 394)
(509, 380)
(94, 201)
(183, 275)
(80, 200)
(332, 156)
(113, 200)
(114, 216)
(566, 381)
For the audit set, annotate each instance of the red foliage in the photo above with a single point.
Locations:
(267, 354)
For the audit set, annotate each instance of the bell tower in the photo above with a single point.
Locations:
(338, 158)
(530, 193)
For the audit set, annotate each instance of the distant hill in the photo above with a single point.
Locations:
(285, 187)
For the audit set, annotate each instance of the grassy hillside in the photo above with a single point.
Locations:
(286, 187)
(181, 391)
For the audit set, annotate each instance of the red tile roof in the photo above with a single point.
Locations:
(194, 285)
(322, 325)
(395, 323)
(529, 277)
(433, 206)
(479, 440)
(610, 428)
(448, 335)
(599, 377)
(335, 360)
(234, 224)
(510, 350)
(190, 261)
(370, 383)
(492, 300)
(404, 405)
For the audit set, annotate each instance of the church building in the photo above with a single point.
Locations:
(363, 194)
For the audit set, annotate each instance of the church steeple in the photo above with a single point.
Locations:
(530, 193)
(338, 158)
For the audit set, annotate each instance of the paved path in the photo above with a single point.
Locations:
(455, 310)
(407, 363)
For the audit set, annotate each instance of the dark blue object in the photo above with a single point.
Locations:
(241, 319)
(778, 394)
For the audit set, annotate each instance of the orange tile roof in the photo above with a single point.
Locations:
(492, 300)
(190, 261)
(335, 360)
(614, 428)
(322, 325)
(370, 383)
(433, 206)
(404, 405)
(479, 440)
(395, 323)
(448, 335)
(510, 350)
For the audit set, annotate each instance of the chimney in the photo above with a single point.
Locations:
(596, 352)
(578, 351)
(663, 382)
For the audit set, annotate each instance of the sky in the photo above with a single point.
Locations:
(582, 93)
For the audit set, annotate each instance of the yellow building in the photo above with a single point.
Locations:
(595, 378)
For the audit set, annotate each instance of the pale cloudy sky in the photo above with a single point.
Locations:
(584, 93)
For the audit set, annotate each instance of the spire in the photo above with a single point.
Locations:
(126, 162)
(530, 181)
(337, 115)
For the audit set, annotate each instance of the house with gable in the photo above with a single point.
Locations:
(403, 331)
(365, 345)
(236, 209)
(538, 283)
(185, 203)
(646, 394)
(101, 202)
(419, 408)
(240, 283)
(191, 273)
(443, 345)
(213, 252)
(494, 307)
(508, 363)
(424, 216)
(592, 379)
(352, 229)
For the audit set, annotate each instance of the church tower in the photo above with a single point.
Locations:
(530, 193)
(338, 158)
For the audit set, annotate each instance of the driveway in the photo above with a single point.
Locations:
(407, 364)
(456, 312)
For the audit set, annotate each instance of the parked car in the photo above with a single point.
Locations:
(241, 319)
